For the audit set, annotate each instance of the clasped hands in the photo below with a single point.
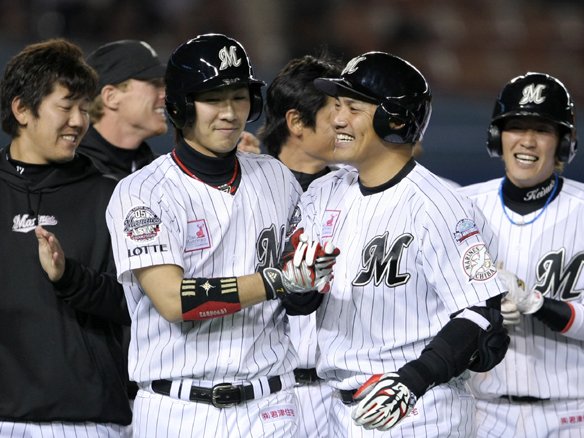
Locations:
(519, 300)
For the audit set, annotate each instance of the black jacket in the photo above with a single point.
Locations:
(113, 161)
(61, 357)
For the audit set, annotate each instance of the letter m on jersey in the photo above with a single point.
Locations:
(555, 282)
(380, 261)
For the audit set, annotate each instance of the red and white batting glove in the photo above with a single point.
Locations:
(312, 264)
(307, 268)
(386, 400)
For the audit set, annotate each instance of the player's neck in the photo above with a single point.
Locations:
(122, 137)
(298, 161)
(380, 168)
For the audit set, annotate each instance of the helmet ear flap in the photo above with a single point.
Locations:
(394, 123)
(567, 148)
(494, 144)
(180, 113)
(256, 104)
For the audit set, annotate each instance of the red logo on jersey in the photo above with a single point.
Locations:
(197, 236)
(477, 263)
(330, 222)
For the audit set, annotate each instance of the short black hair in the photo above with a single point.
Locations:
(293, 88)
(33, 73)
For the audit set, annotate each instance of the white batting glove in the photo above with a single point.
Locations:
(527, 301)
(386, 400)
(510, 313)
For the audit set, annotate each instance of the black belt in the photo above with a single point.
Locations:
(347, 396)
(523, 398)
(222, 395)
(306, 376)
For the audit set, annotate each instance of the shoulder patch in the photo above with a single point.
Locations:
(477, 263)
(141, 224)
(464, 229)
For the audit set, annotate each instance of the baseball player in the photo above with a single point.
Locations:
(61, 360)
(410, 306)
(209, 348)
(298, 132)
(537, 390)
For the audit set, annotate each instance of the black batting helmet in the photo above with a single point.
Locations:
(401, 92)
(204, 63)
(536, 95)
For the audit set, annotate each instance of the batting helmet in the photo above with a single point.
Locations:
(204, 63)
(401, 92)
(536, 95)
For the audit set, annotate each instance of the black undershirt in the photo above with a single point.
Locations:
(527, 200)
(213, 171)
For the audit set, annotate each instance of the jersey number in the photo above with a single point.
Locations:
(380, 263)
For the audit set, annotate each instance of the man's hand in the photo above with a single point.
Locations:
(527, 301)
(309, 267)
(51, 254)
(248, 143)
(385, 401)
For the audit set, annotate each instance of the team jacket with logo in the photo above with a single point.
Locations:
(60, 351)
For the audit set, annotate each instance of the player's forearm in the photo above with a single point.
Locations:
(563, 317)
(183, 299)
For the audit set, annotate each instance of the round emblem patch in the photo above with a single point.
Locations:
(141, 224)
(477, 263)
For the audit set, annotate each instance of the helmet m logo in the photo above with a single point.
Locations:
(351, 66)
(229, 57)
(533, 94)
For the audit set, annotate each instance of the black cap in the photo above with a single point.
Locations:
(125, 59)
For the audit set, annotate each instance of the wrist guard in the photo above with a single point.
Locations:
(207, 298)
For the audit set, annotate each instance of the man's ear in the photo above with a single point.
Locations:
(21, 112)
(110, 96)
(294, 122)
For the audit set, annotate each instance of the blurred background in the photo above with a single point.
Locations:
(467, 49)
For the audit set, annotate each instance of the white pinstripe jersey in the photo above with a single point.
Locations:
(159, 215)
(411, 255)
(548, 255)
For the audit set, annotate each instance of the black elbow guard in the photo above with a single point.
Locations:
(492, 343)
(461, 344)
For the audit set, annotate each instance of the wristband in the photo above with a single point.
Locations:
(207, 298)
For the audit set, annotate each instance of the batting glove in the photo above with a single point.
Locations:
(527, 301)
(386, 400)
(510, 313)
(307, 269)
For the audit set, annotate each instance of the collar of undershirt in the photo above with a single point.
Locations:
(211, 170)
(530, 199)
(409, 166)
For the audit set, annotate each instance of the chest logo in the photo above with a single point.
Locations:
(23, 223)
(330, 222)
(380, 261)
(555, 281)
(197, 236)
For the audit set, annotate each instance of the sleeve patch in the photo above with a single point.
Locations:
(141, 224)
(465, 228)
(477, 263)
